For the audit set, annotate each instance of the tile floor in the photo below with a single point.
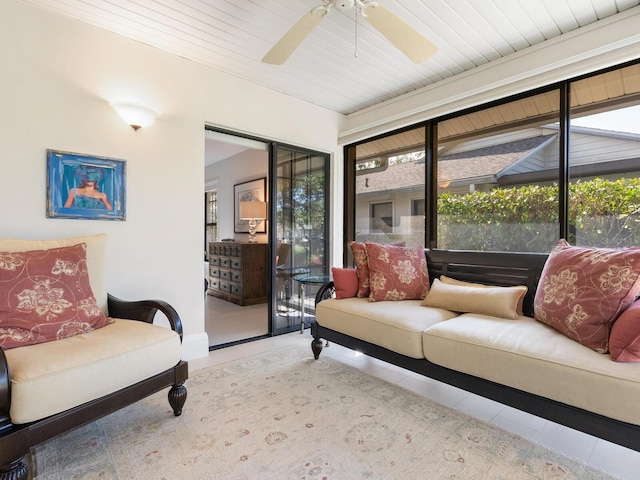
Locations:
(226, 322)
(604, 455)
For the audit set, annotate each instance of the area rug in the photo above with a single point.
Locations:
(282, 415)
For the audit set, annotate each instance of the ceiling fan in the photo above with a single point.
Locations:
(398, 32)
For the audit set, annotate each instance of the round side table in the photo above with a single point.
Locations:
(304, 280)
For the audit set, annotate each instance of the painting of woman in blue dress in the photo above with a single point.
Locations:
(85, 186)
(87, 194)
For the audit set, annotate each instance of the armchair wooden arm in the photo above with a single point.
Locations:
(144, 311)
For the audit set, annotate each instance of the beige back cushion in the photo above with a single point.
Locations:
(96, 258)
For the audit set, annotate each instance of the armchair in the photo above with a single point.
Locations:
(116, 365)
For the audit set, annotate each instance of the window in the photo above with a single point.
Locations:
(604, 178)
(514, 175)
(497, 177)
(389, 179)
(381, 219)
(210, 220)
(417, 207)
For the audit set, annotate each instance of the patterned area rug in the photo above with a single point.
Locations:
(282, 415)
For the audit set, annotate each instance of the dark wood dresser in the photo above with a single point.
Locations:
(238, 272)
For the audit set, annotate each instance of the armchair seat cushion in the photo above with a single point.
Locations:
(78, 369)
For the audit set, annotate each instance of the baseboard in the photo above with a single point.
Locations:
(195, 346)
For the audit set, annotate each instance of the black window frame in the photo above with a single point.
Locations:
(431, 155)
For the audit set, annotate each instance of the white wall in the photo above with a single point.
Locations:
(57, 78)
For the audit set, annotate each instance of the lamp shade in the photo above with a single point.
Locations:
(135, 114)
(253, 210)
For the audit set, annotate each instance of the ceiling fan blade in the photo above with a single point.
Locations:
(398, 32)
(294, 37)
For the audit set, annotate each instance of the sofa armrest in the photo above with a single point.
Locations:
(325, 291)
(144, 311)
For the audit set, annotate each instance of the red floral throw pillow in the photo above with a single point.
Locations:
(362, 267)
(45, 295)
(345, 281)
(624, 341)
(361, 263)
(583, 290)
(396, 273)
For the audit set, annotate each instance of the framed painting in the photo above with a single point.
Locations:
(252, 191)
(85, 186)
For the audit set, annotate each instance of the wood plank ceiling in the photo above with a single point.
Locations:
(343, 65)
(619, 88)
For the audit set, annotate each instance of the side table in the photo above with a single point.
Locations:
(304, 280)
(284, 275)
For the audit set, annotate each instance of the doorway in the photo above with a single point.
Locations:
(296, 234)
(230, 161)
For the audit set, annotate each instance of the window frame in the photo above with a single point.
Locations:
(431, 156)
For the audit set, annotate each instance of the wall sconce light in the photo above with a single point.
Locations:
(134, 114)
(253, 211)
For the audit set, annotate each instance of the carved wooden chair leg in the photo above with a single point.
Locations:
(16, 470)
(316, 347)
(177, 397)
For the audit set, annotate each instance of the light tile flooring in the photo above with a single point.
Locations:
(606, 456)
(226, 322)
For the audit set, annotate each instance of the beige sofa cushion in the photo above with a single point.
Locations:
(75, 370)
(396, 326)
(530, 356)
(96, 258)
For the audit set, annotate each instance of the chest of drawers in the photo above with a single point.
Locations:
(238, 272)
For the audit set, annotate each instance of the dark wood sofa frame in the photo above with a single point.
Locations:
(498, 269)
(17, 440)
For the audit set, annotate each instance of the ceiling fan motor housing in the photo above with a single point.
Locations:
(344, 5)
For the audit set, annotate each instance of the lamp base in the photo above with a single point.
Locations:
(252, 230)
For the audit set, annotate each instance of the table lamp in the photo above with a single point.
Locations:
(253, 211)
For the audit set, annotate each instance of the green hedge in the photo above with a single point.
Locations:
(525, 219)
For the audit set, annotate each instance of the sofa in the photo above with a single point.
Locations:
(519, 360)
(58, 372)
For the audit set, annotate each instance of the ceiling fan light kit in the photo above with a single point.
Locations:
(405, 38)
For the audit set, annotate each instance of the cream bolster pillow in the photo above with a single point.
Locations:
(496, 301)
(453, 281)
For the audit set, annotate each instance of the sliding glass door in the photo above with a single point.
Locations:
(298, 234)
